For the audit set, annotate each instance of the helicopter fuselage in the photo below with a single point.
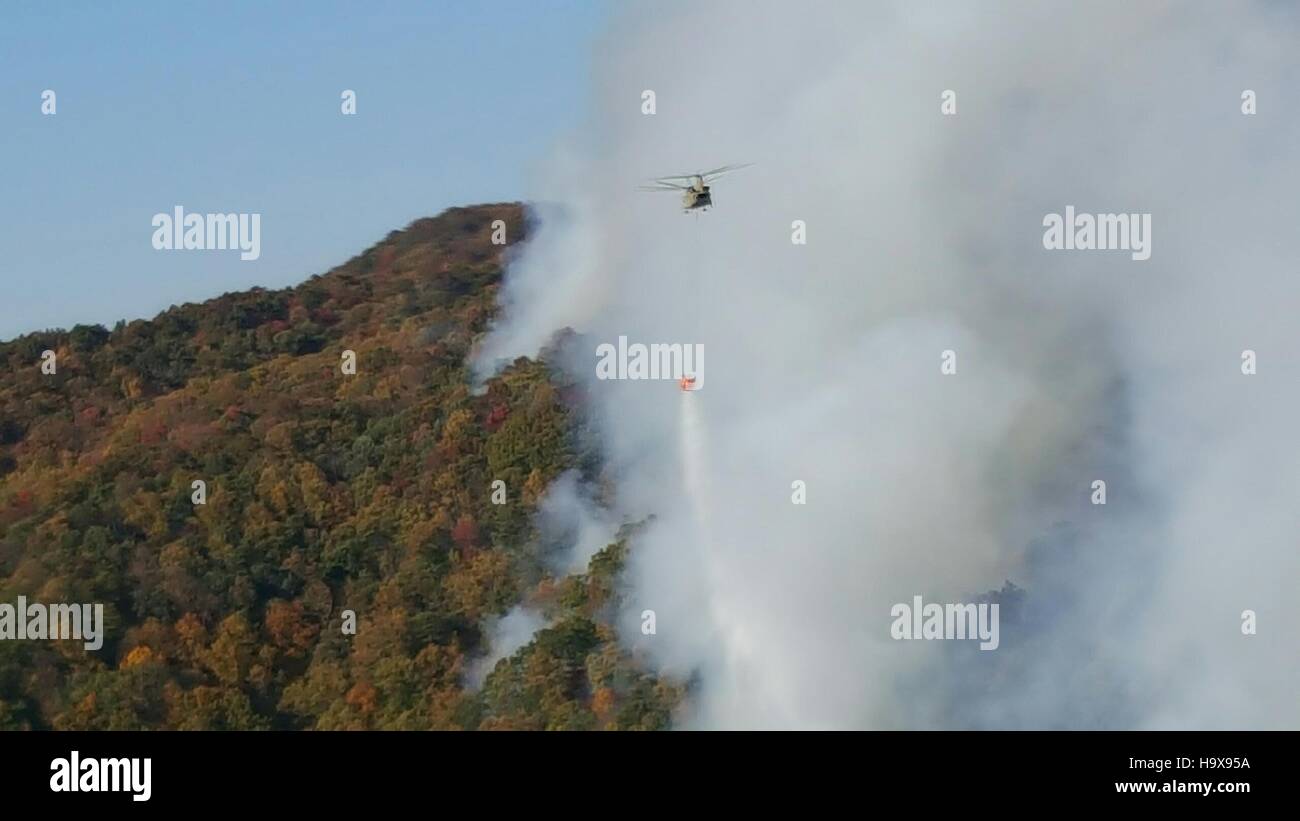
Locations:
(698, 197)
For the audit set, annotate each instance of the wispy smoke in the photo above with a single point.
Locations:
(505, 635)
(924, 235)
(572, 526)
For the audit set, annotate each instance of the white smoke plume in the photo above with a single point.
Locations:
(924, 234)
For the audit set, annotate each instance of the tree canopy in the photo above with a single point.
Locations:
(323, 492)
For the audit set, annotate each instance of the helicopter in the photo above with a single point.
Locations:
(694, 188)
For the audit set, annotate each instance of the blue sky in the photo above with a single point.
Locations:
(234, 107)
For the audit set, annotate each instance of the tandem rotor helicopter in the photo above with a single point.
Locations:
(694, 188)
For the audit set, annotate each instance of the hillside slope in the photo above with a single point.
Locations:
(325, 492)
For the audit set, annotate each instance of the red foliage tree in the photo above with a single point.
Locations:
(496, 416)
(465, 533)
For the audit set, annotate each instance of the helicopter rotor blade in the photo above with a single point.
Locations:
(726, 169)
(665, 184)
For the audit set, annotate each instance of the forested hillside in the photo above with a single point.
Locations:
(325, 492)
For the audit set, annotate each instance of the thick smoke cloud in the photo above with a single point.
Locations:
(924, 235)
